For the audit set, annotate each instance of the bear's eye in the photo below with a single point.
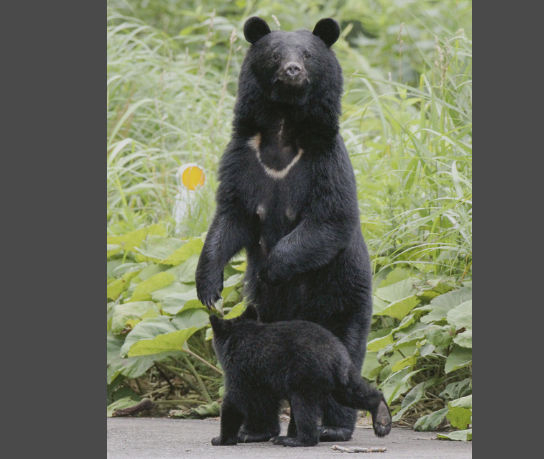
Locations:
(307, 55)
(275, 56)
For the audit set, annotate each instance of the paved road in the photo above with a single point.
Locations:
(146, 438)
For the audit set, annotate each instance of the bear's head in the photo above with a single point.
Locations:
(292, 68)
(224, 329)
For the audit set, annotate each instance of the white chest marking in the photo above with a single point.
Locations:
(255, 143)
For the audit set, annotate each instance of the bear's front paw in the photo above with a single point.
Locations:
(217, 441)
(209, 290)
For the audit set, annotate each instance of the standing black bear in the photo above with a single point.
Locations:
(296, 360)
(287, 195)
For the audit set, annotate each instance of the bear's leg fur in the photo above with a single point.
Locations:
(231, 421)
(338, 420)
(291, 430)
(306, 412)
(262, 422)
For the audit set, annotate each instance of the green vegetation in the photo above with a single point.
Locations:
(172, 72)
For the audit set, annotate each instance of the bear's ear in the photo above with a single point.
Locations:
(217, 324)
(328, 30)
(255, 28)
(250, 313)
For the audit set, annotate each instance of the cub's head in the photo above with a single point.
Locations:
(291, 66)
(223, 329)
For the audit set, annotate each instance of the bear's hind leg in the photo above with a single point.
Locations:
(291, 430)
(262, 421)
(306, 412)
(338, 422)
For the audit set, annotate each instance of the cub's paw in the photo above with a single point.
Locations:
(294, 442)
(250, 437)
(382, 420)
(209, 290)
(217, 441)
(335, 434)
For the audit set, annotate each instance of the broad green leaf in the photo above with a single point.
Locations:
(191, 248)
(380, 343)
(236, 311)
(459, 358)
(371, 366)
(441, 305)
(159, 248)
(406, 362)
(120, 404)
(191, 318)
(464, 339)
(112, 266)
(150, 271)
(128, 242)
(430, 421)
(176, 302)
(412, 397)
(441, 336)
(426, 349)
(397, 291)
(397, 384)
(378, 305)
(131, 367)
(175, 287)
(397, 275)
(185, 272)
(457, 390)
(120, 285)
(157, 335)
(461, 316)
(144, 289)
(458, 435)
(399, 309)
(127, 311)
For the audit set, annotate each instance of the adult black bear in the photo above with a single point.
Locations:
(298, 361)
(287, 195)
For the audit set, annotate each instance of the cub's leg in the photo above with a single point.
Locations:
(262, 422)
(231, 420)
(306, 411)
(291, 430)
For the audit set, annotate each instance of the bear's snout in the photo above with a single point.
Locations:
(292, 73)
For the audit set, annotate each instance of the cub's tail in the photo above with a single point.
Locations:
(356, 393)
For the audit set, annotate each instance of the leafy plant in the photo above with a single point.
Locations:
(172, 72)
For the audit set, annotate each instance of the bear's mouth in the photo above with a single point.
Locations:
(298, 81)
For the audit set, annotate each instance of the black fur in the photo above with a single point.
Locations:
(306, 255)
(298, 361)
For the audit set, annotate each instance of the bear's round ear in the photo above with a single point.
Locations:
(255, 28)
(328, 30)
(250, 313)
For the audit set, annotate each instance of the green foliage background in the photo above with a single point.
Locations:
(407, 123)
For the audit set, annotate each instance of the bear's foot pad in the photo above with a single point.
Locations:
(382, 421)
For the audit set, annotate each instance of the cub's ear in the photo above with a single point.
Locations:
(250, 313)
(328, 30)
(217, 324)
(255, 28)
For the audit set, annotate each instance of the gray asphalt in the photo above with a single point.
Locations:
(145, 438)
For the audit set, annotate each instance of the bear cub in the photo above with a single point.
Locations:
(296, 360)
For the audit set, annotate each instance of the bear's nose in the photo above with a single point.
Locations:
(292, 69)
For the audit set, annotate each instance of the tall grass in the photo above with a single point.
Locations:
(406, 122)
